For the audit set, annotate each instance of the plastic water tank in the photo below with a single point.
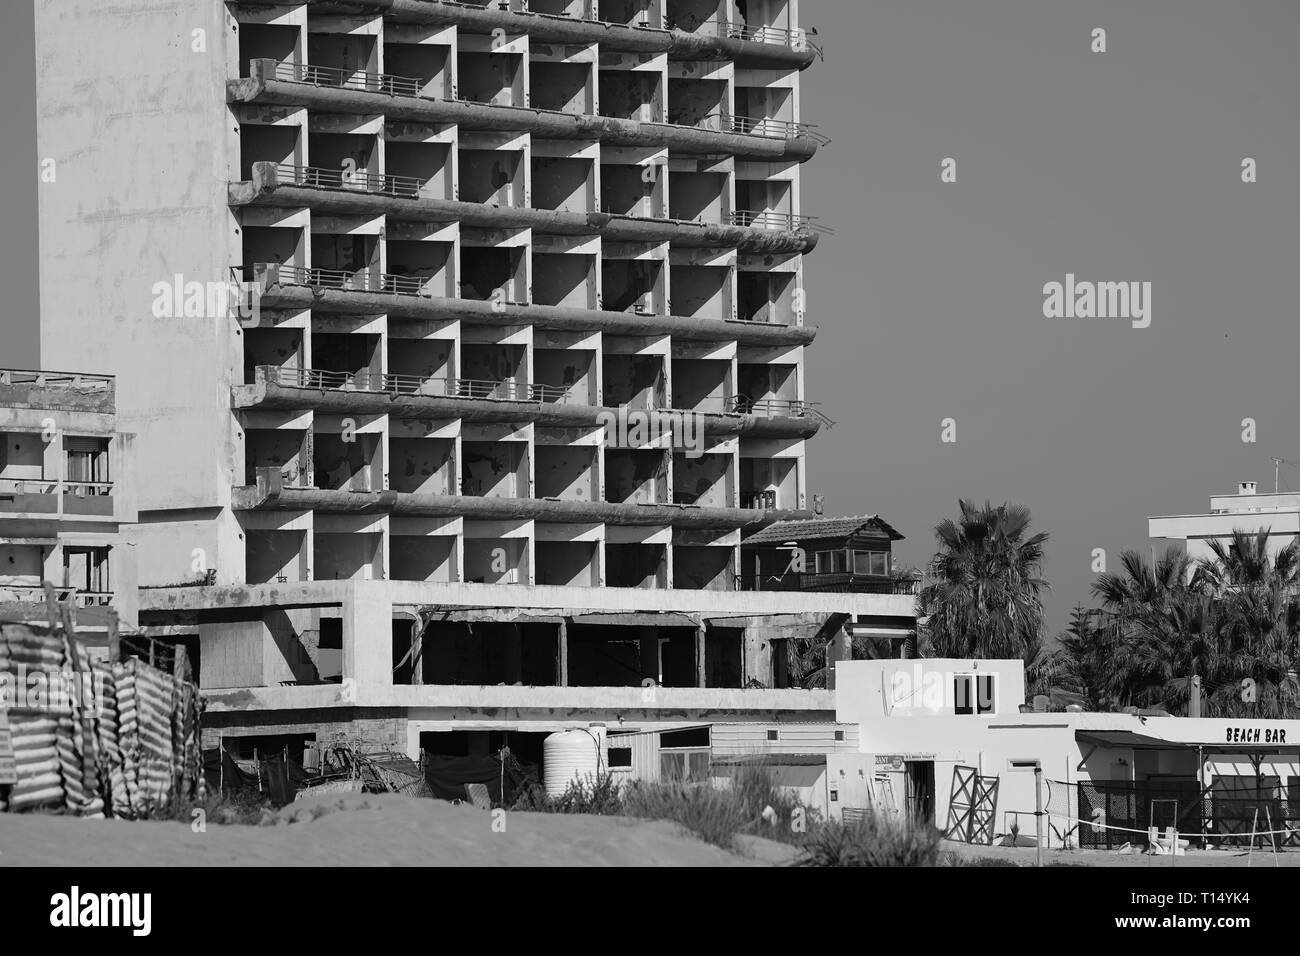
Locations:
(571, 755)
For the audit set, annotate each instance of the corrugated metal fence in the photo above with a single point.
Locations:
(91, 737)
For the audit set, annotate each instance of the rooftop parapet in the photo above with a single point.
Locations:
(65, 391)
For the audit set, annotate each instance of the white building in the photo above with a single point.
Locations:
(1279, 513)
(924, 719)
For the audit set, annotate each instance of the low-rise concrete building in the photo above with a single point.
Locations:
(65, 497)
(958, 746)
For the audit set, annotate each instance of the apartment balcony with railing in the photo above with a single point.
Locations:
(79, 487)
(284, 185)
(486, 400)
(414, 99)
(285, 286)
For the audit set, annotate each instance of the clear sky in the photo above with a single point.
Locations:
(1115, 166)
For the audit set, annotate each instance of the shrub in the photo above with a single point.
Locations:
(875, 841)
(715, 816)
(599, 796)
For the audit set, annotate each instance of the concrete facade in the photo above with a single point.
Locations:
(464, 345)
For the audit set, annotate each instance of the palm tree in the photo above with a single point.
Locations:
(1258, 624)
(1231, 618)
(1154, 623)
(983, 594)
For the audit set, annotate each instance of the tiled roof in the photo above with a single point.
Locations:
(797, 530)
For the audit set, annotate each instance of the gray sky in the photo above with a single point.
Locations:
(1115, 166)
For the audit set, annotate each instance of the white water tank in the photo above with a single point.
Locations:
(569, 756)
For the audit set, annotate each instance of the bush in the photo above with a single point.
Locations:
(715, 816)
(599, 796)
(875, 841)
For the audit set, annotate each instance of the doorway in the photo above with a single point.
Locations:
(920, 790)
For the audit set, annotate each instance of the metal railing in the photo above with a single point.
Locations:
(776, 408)
(360, 180)
(440, 387)
(777, 221)
(348, 79)
(797, 40)
(843, 582)
(88, 489)
(764, 126)
(362, 280)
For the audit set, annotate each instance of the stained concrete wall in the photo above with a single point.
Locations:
(111, 229)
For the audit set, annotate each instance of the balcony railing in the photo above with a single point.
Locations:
(838, 582)
(796, 40)
(362, 280)
(776, 408)
(770, 128)
(349, 79)
(408, 187)
(780, 221)
(88, 489)
(504, 391)
(329, 77)
(35, 594)
(358, 180)
(28, 486)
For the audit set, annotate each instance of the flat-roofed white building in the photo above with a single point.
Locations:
(1247, 509)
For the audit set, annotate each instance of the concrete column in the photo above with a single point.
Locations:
(417, 652)
(758, 656)
(367, 634)
(840, 648)
(562, 654)
(701, 672)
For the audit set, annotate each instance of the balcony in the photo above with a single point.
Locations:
(328, 89)
(29, 496)
(757, 232)
(42, 496)
(290, 287)
(35, 594)
(843, 582)
(411, 396)
(271, 494)
(777, 408)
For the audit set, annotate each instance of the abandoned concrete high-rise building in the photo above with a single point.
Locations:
(520, 368)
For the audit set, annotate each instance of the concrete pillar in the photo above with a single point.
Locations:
(758, 656)
(368, 633)
(840, 648)
(417, 652)
(562, 654)
(701, 673)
